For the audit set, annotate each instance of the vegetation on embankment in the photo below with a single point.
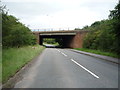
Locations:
(15, 33)
(51, 41)
(98, 52)
(17, 43)
(0, 64)
(15, 58)
(104, 35)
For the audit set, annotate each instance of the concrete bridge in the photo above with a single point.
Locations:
(71, 38)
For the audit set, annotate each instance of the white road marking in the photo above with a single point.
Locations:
(64, 54)
(79, 65)
(84, 68)
(58, 50)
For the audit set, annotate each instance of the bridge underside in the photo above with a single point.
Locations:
(67, 41)
(63, 40)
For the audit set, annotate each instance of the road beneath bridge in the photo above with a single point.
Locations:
(62, 68)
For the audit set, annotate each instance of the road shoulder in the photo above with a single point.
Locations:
(107, 58)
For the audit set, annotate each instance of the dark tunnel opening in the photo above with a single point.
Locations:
(63, 40)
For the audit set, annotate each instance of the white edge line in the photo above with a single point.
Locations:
(85, 68)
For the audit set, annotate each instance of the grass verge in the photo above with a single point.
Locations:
(98, 52)
(13, 59)
(0, 65)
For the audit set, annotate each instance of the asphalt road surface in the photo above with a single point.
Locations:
(62, 68)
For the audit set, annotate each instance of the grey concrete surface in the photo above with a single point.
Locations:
(55, 68)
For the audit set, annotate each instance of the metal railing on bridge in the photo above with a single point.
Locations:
(52, 29)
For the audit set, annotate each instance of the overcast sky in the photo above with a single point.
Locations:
(64, 14)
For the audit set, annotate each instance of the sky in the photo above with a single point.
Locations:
(59, 14)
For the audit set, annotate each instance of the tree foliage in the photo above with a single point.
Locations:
(105, 34)
(49, 40)
(14, 33)
(115, 16)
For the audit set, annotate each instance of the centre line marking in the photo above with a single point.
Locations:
(61, 52)
(84, 68)
(64, 54)
(58, 50)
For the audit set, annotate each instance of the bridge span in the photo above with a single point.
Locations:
(71, 38)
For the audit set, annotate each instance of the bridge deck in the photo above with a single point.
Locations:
(68, 31)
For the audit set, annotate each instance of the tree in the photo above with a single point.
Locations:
(14, 33)
(49, 40)
(105, 34)
(77, 29)
(115, 16)
(101, 36)
(85, 27)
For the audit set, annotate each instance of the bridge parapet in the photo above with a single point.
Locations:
(65, 31)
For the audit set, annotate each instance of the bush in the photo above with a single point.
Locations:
(15, 34)
(101, 36)
(105, 34)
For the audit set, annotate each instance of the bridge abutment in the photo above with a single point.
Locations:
(37, 37)
(77, 40)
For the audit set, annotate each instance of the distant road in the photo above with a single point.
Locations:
(62, 68)
(49, 45)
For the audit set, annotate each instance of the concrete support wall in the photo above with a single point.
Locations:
(77, 40)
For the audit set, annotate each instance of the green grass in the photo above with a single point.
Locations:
(56, 44)
(98, 52)
(13, 59)
(0, 64)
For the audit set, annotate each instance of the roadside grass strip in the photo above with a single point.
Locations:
(111, 54)
(13, 59)
(0, 66)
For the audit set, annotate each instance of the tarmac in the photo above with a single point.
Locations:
(108, 58)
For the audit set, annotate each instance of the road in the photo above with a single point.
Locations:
(62, 68)
(49, 45)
